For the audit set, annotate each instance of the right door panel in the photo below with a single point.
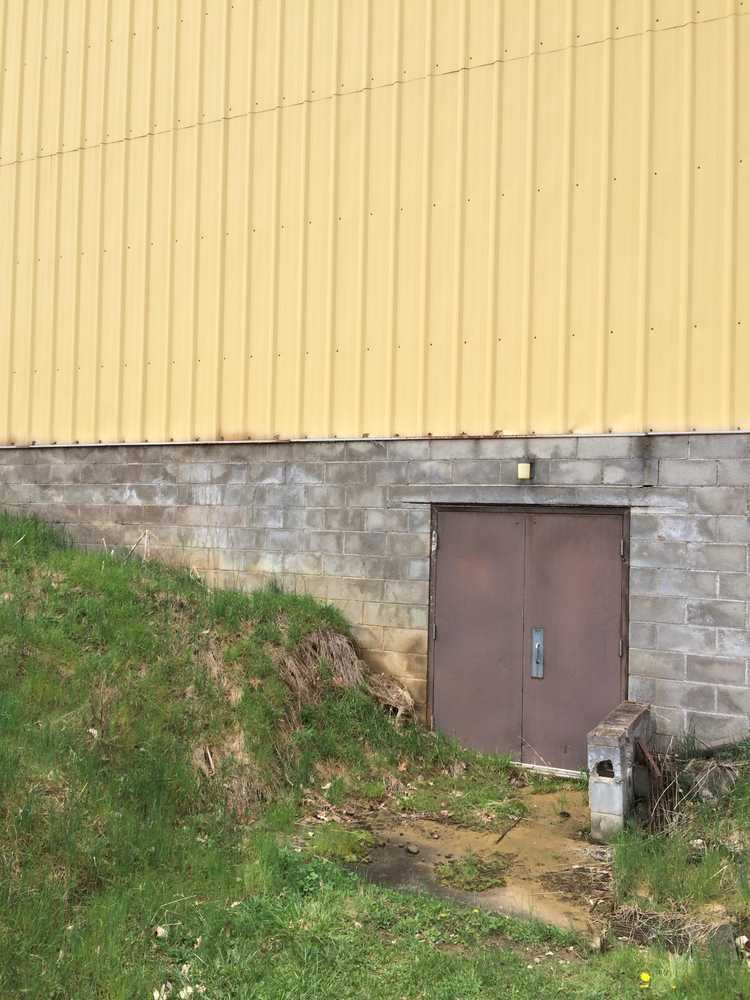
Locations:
(574, 578)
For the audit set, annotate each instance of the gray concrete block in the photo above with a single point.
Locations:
(643, 635)
(306, 473)
(658, 609)
(656, 663)
(716, 670)
(419, 519)
(387, 520)
(301, 518)
(714, 729)
(673, 527)
(406, 592)
(609, 446)
(266, 472)
(732, 614)
(733, 529)
(367, 451)
(630, 472)
(482, 471)
(279, 540)
(606, 826)
(348, 589)
(720, 446)
(347, 473)
(734, 586)
(662, 446)
(303, 562)
(387, 473)
(719, 500)
(495, 448)
(353, 565)
(726, 558)
(289, 495)
(672, 582)
(324, 541)
(678, 472)
(674, 694)
(733, 701)
(408, 544)
(323, 496)
(405, 451)
(344, 519)
(395, 615)
(734, 473)
(733, 641)
(686, 638)
(366, 496)
(430, 472)
(644, 552)
(458, 448)
(313, 451)
(368, 543)
(573, 472)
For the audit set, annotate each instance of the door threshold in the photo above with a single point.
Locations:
(552, 772)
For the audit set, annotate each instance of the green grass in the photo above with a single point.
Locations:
(117, 680)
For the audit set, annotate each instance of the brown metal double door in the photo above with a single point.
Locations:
(527, 629)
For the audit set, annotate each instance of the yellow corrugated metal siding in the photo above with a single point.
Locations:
(373, 217)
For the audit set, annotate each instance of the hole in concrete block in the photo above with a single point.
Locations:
(604, 769)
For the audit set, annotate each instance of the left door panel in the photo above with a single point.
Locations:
(478, 615)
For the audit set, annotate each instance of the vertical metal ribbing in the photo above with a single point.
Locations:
(6, 341)
(685, 325)
(426, 256)
(330, 318)
(126, 153)
(527, 294)
(167, 432)
(563, 342)
(276, 173)
(395, 213)
(301, 324)
(605, 231)
(55, 330)
(728, 389)
(460, 224)
(103, 156)
(364, 194)
(34, 274)
(641, 416)
(493, 338)
(248, 223)
(220, 359)
(145, 321)
(197, 207)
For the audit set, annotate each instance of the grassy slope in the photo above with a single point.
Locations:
(108, 686)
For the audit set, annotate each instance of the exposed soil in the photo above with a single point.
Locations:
(554, 874)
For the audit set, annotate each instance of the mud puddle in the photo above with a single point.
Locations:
(545, 851)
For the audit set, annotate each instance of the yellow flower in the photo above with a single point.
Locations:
(645, 980)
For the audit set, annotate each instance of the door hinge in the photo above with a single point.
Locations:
(434, 631)
(622, 648)
(435, 540)
(622, 548)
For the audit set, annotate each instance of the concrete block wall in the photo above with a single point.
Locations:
(349, 522)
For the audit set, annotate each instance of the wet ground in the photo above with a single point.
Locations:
(554, 874)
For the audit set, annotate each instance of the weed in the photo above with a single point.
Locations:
(474, 873)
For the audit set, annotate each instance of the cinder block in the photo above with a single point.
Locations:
(387, 520)
(714, 670)
(673, 527)
(734, 586)
(405, 640)
(678, 472)
(686, 638)
(454, 448)
(303, 562)
(368, 636)
(725, 558)
(395, 615)
(606, 826)
(405, 451)
(713, 729)
(630, 472)
(367, 451)
(347, 473)
(644, 552)
(662, 446)
(266, 472)
(349, 589)
(643, 635)
(672, 582)
(368, 543)
(476, 471)
(733, 641)
(733, 701)
(388, 473)
(429, 472)
(656, 663)
(720, 446)
(344, 519)
(733, 529)
(322, 496)
(719, 500)
(732, 614)
(575, 472)
(366, 496)
(409, 544)
(306, 473)
(324, 541)
(734, 473)
(607, 447)
(657, 609)
(406, 591)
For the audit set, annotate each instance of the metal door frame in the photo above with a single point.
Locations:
(527, 508)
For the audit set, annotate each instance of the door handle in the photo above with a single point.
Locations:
(537, 653)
